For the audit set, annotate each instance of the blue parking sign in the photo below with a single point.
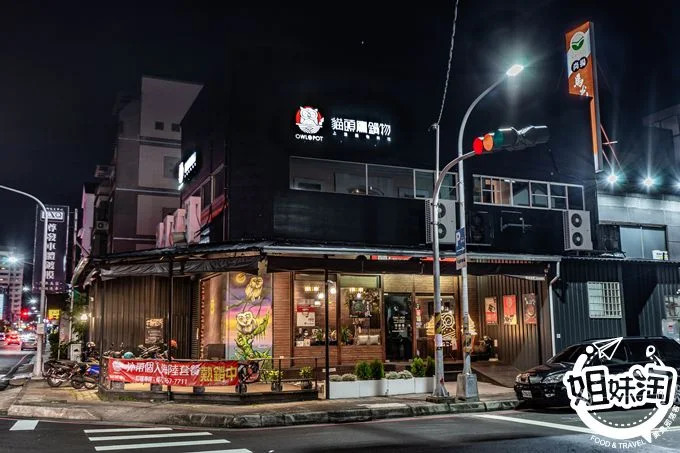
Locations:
(460, 241)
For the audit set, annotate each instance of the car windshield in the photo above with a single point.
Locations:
(568, 355)
(667, 350)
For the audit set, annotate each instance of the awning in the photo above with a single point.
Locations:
(242, 263)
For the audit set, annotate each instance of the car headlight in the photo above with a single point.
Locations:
(518, 379)
(553, 378)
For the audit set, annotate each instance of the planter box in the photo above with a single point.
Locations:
(349, 389)
(424, 384)
(400, 386)
(372, 388)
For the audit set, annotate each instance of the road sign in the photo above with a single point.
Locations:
(461, 261)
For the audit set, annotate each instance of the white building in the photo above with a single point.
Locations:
(12, 280)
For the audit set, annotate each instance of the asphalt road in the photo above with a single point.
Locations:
(512, 431)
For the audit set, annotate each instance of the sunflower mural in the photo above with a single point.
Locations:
(249, 311)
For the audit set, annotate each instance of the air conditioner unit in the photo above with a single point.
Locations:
(167, 230)
(100, 225)
(179, 221)
(576, 227)
(160, 235)
(192, 224)
(447, 221)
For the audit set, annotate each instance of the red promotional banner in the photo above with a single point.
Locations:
(529, 308)
(190, 374)
(510, 310)
(491, 310)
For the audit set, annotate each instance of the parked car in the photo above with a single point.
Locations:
(13, 338)
(542, 385)
(29, 342)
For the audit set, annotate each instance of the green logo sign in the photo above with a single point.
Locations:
(578, 40)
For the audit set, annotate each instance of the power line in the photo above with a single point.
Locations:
(448, 67)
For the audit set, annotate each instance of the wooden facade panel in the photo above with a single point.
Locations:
(282, 318)
(397, 283)
(307, 354)
(424, 284)
(355, 353)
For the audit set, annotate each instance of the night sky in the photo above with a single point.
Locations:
(62, 67)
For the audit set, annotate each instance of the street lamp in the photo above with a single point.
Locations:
(12, 259)
(27, 289)
(38, 363)
(467, 382)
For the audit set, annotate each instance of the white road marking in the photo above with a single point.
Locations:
(123, 430)
(150, 436)
(233, 450)
(525, 421)
(24, 425)
(161, 444)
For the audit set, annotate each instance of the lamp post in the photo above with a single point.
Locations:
(37, 368)
(466, 385)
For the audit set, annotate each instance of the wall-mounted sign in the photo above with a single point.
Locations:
(490, 310)
(187, 168)
(530, 315)
(153, 331)
(309, 122)
(510, 310)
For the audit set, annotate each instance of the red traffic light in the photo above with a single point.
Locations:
(478, 145)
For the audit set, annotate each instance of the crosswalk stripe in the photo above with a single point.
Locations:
(150, 436)
(123, 430)
(233, 450)
(24, 425)
(161, 444)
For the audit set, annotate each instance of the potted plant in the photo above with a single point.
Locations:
(346, 336)
(368, 386)
(345, 386)
(422, 384)
(306, 376)
(400, 383)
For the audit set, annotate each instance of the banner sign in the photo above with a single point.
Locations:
(580, 63)
(153, 331)
(491, 310)
(188, 374)
(57, 245)
(529, 301)
(510, 310)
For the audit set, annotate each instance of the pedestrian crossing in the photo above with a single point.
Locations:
(125, 439)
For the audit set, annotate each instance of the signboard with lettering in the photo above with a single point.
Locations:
(56, 248)
(176, 373)
(314, 124)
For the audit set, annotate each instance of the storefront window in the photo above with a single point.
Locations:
(360, 312)
(310, 310)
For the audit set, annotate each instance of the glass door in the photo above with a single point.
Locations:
(425, 328)
(399, 335)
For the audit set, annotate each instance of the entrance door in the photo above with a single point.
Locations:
(425, 327)
(399, 337)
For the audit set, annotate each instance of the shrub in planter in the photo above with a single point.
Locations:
(405, 374)
(392, 375)
(429, 367)
(418, 367)
(377, 369)
(349, 377)
(363, 371)
(306, 375)
(335, 378)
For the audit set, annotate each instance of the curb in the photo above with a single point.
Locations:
(273, 419)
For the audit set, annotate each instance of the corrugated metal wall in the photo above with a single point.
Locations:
(572, 317)
(129, 301)
(646, 285)
(518, 345)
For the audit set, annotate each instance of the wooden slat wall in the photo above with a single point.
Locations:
(318, 352)
(354, 353)
(282, 316)
(397, 283)
(424, 284)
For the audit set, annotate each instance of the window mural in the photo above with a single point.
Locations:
(249, 316)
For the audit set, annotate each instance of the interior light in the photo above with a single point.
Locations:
(356, 135)
(308, 289)
(83, 317)
(514, 70)
(333, 290)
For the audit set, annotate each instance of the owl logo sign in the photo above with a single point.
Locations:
(310, 121)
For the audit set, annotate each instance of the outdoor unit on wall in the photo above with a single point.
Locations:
(192, 224)
(160, 235)
(447, 221)
(576, 225)
(167, 230)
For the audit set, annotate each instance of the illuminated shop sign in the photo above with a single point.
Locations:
(310, 127)
(187, 168)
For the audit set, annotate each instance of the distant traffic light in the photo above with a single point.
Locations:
(511, 139)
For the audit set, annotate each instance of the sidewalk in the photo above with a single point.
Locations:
(38, 400)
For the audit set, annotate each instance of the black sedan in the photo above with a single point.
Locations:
(542, 385)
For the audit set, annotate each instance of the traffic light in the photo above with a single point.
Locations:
(24, 314)
(511, 139)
